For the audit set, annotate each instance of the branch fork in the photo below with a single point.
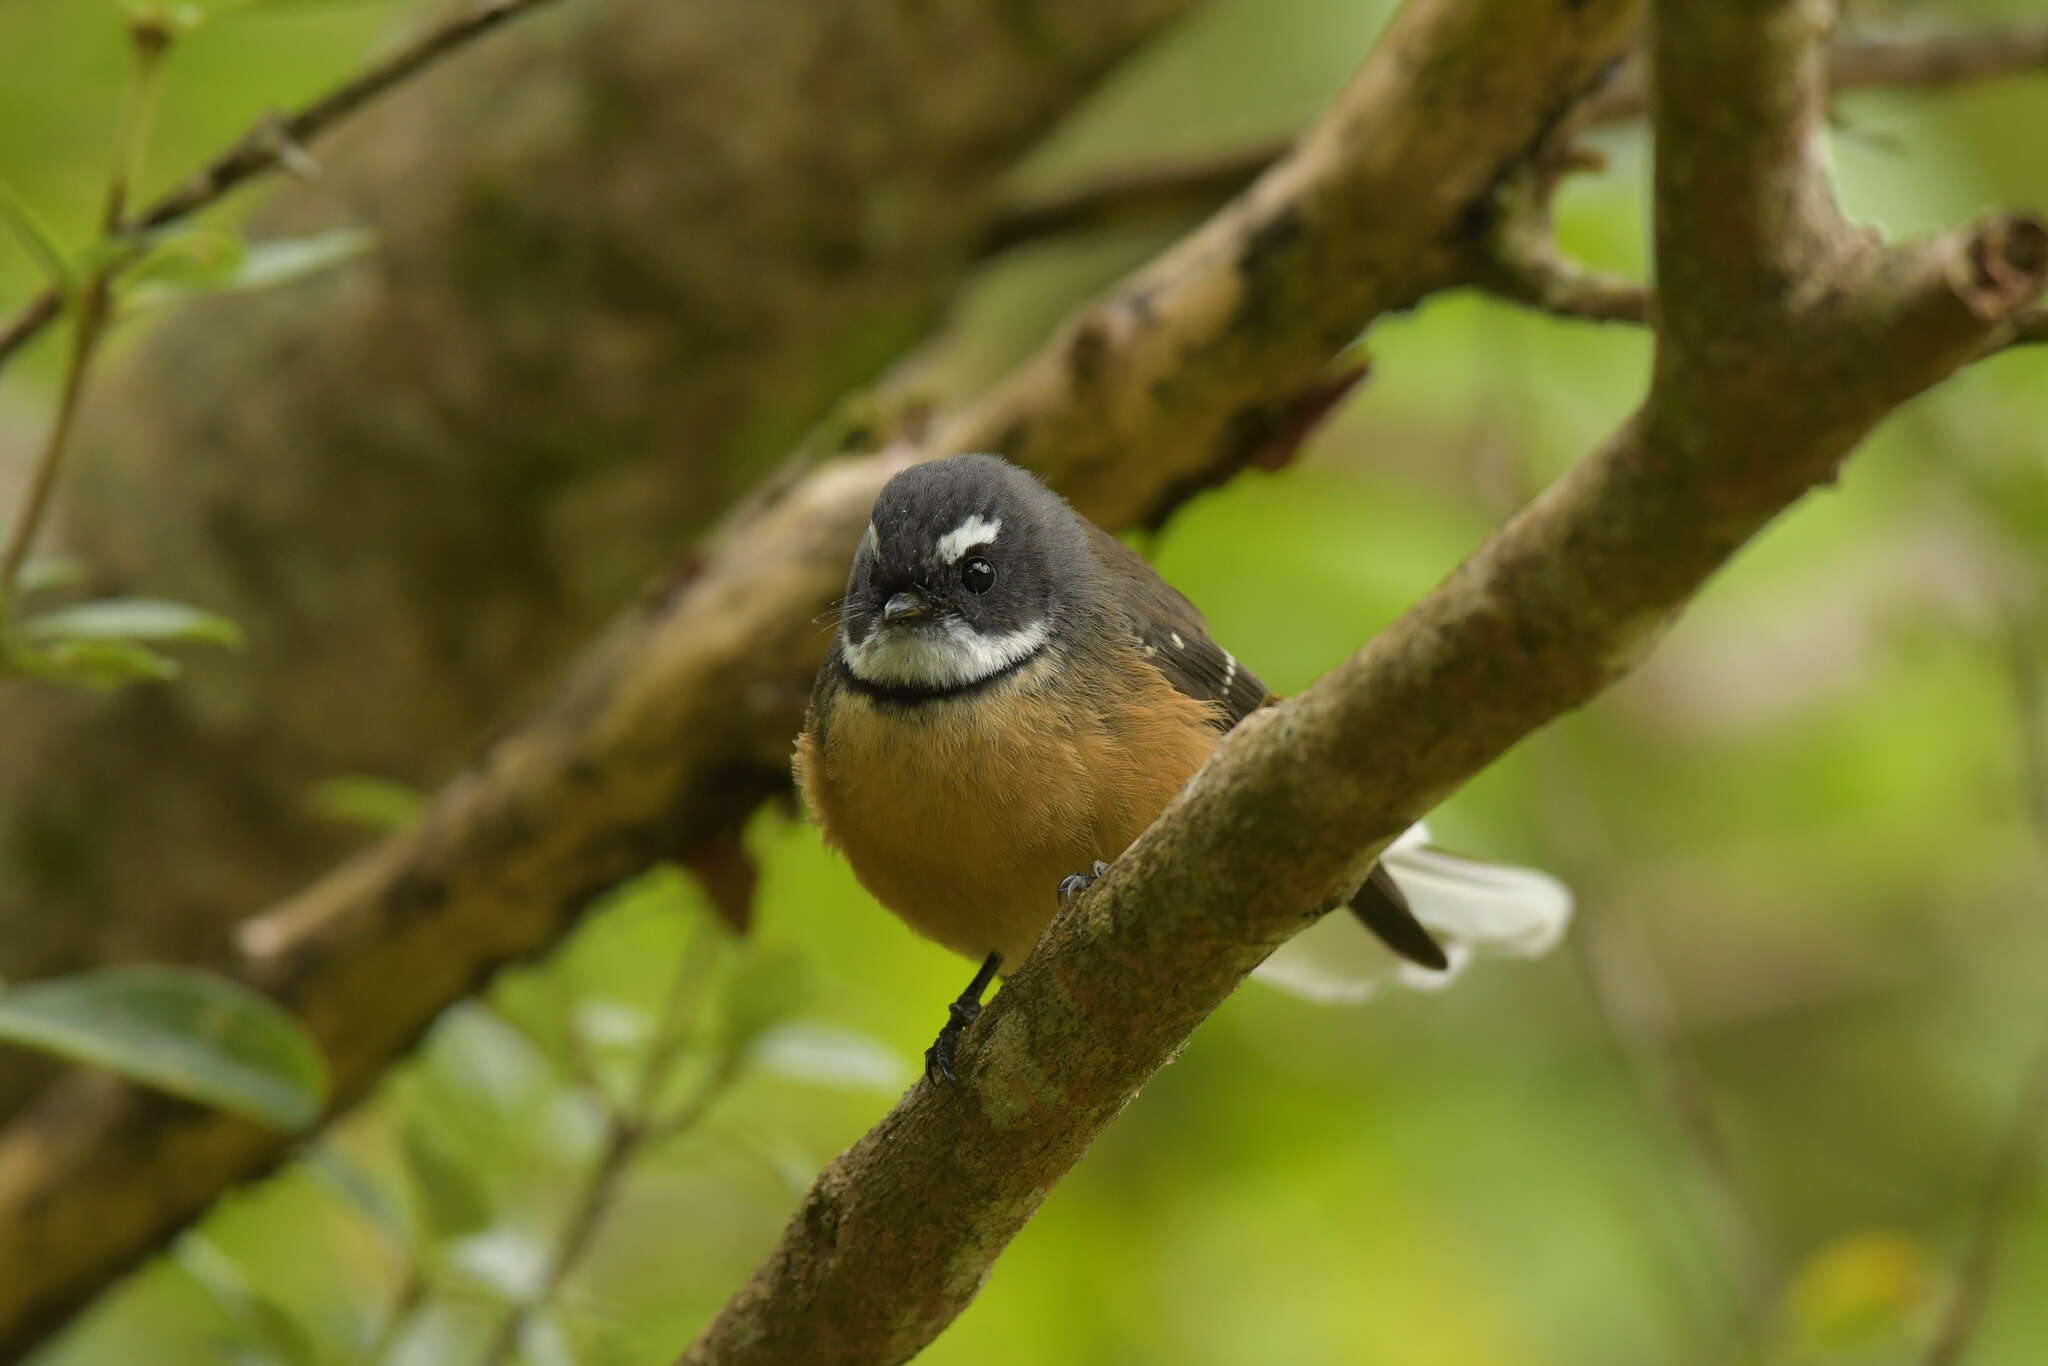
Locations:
(1784, 336)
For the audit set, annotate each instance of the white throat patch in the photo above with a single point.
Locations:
(976, 530)
(940, 660)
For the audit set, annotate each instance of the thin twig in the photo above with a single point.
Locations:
(152, 41)
(1631, 995)
(2004, 1187)
(630, 1128)
(2005, 1182)
(1518, 258)
(2030, 700)
(1926, 61)
(272, 141)
(1190, 188)
(21, 535)
(262, 147)
(1939, 59)
(411, 1294)
(1546, 280)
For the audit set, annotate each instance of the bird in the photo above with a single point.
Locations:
(1012, 695)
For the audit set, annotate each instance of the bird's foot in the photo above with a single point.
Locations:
(938, 1059)
(1074, 884)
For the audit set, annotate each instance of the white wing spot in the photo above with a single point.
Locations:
(1229, 674)
(1178, 643)
(976, 530)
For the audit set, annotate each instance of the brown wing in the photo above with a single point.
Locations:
(1175, 638)
(1177, 641)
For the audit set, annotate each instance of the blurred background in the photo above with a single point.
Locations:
(1746, 1113)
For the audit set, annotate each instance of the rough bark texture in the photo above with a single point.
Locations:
(628, 249)
(1786, 335)
(681, 719)
(1210, 359)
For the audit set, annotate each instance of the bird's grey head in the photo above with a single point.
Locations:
(964, 574)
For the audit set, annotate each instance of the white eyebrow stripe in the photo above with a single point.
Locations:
(976, 530)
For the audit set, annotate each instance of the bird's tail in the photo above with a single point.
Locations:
(1471, 907)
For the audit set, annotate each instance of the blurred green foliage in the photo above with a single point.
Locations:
(191, 1033)
(1800, 837)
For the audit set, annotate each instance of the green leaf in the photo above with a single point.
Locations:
(190, 1033)
(36, 240)
(188, 257)
(283, 259)
(449, 1203)
(366, 800)
(101, 665)
(254, 1312)
(260, 265)
(133, 619)
(46, 572)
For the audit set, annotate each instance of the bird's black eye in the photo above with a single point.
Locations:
(977, 575)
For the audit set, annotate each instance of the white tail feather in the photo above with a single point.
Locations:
(1474, 909)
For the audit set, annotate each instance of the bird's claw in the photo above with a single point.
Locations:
(938, 1059)
(1074, 884)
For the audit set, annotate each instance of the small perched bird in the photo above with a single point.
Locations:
(1013, 695)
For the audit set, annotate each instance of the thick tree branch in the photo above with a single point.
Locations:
(571, 351)
(679, 722)
(1786, 337)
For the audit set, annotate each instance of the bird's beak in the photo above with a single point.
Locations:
(909, 605)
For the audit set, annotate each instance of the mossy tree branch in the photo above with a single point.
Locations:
(1210, 359)
(1785, 336)
(572, 349)
(679, 722)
